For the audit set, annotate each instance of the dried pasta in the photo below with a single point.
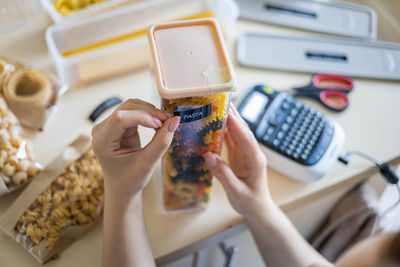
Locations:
(75, 198)
(66, 7)
(17, 165)
(186, 179)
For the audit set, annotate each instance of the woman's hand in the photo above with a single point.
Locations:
(245, 177)
(245, 183)
(126, 165)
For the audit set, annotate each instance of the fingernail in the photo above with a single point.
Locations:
(173, 125)
(157, 122)
(169, 114)
(210, 159)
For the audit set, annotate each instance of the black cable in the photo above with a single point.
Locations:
(386, 170)
(360, 154)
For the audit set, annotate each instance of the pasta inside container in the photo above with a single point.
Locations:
(195, 78)
(186, 178)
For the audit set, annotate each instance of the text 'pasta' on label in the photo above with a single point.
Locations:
(195, 114)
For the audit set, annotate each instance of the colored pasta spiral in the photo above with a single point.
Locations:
(186, 178)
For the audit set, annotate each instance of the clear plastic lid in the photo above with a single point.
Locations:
(16, 13)
(190, 58)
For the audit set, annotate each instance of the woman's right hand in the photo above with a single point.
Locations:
(245, 177)
(126, 164)
(245, 183)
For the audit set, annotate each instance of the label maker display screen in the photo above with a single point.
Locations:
(254, 106)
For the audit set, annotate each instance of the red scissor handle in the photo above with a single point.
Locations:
(333, 82)
(334, 100)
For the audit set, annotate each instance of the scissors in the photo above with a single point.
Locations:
(330, 90)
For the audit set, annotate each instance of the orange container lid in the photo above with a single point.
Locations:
(190, 58)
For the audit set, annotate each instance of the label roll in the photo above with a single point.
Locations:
(28, 93)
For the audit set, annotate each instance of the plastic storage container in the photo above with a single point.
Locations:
(195, 77)
(17, 13)
(114, 42)
(90, 10)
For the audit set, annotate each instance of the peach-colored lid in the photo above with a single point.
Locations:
(190, 58)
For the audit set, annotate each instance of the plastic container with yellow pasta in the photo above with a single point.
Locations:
(195, 78)
(59, 205)
(66, 7)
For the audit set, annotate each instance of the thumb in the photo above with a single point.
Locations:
(161, 140)
(221, 170)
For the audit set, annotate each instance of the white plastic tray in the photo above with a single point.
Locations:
(332, 17)
(371, 59)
